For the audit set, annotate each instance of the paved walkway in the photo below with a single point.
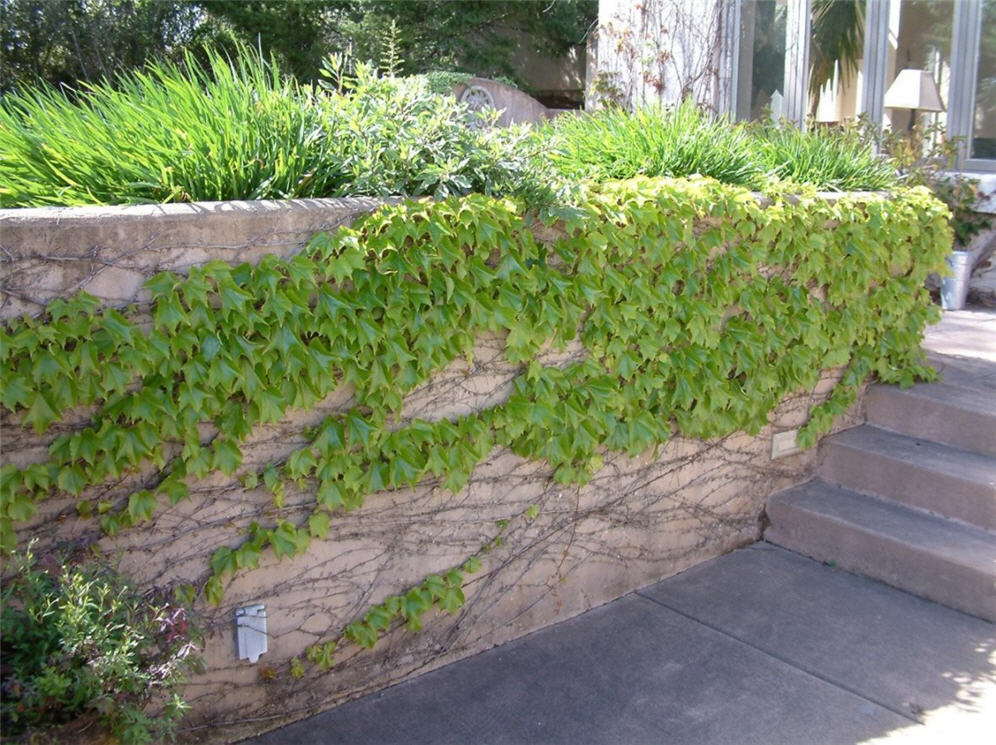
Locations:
(758, 646)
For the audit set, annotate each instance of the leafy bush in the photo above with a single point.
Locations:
(400, 136)
(237, 129)
(80, 642)
(617, 144)
(925, 156)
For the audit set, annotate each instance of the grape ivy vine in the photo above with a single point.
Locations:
(699, 307)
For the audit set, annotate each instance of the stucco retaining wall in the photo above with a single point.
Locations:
(109, 252)
(639, 520)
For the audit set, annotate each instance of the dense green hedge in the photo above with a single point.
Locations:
(699, 307)
(237, 129)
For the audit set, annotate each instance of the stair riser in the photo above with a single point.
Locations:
(896, 563)
(906, 482)
(920, 416)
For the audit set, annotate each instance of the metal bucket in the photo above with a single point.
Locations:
(954, 289)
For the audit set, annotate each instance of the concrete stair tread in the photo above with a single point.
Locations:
(974, 400)
(965, 372)
(950, 413)
(923, 454)
(949, 562)
(953, 541)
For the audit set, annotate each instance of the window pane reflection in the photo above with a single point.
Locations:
(920, 39)
(761, 67)
(984, 114)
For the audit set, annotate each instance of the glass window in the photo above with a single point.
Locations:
(919, 39)
(836, 46)
(983, 139)
(761, 67)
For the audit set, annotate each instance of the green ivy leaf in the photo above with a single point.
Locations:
(330, 494)
(362, 633)
(376, 477)
(452, 600)
(15, 393)
(142, 506)
(8, 538)
(247, 556)
(284, 539)
(214, 591)
(318, 524)
(296, 668)
(223, 561)
(19, 508)
(378, 618)
(72, 480)
(40, 413)
(322, 654)
(227, 456)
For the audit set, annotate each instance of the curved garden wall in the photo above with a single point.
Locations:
(512, 419)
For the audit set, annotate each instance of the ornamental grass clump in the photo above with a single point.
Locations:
(834, 160)
(657, 142)
(238, 129)
(228, 129)
(684, 141)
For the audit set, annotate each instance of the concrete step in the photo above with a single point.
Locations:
(927, 475)
(942, 560)
(961, 417)
(977, 372)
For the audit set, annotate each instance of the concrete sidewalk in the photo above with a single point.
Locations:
(758, 646)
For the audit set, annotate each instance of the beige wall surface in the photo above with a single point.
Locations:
(639, 520)
(50, 252)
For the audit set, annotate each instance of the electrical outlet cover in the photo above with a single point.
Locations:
(250, 625)
(784, 443)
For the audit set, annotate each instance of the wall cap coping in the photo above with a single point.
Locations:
(186, 210)
(244, 208)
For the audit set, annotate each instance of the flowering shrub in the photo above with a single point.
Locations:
(80, 643)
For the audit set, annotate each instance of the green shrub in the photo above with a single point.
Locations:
(237, 129)
(616, 144)
(827, 159)
(925, 156)
(399, 136)
(78, 641)
(682, 141)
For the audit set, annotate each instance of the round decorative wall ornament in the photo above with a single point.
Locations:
(477, 98)
(478, 101)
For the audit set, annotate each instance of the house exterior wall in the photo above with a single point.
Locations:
(661, 51)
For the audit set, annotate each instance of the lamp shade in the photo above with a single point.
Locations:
(913, 89)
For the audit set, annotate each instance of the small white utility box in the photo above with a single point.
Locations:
(784, 443)
(250, 623)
